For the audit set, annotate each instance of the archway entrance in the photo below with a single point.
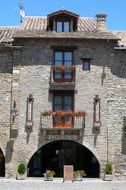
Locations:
(2, 164)
(54, 155)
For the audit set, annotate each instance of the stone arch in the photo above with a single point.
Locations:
(88, 146)
(2, 164)
(2, 148)
(84, 143)
(34, 149)
(41, 157)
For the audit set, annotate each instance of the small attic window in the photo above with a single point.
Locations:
(62, 26)
(62, 21)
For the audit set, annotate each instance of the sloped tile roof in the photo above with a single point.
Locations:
(86, 24)
(34, 23)
(40, 23)
(6, 34)
(35, 27)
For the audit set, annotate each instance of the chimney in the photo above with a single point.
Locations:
(101, 22)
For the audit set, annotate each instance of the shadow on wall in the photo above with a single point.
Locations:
(119, 68)
(124, 143)
(124, 136)
(9, 149)
(6, 62)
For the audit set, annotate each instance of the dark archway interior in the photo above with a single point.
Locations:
(54, 155)
(2, 164)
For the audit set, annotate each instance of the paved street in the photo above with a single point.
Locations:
(57, 184)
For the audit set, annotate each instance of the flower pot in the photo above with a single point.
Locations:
(78, 178)
(78, 175)
(48, 178)
(21, 177)
(48, 175)
(108, 177)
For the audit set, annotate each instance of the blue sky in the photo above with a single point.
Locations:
(115, 9)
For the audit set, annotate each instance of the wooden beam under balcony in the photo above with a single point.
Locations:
(62, 134)
(62, 86)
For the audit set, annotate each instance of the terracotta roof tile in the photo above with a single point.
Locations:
(6, 34)
(40, 23)
(34, 23)
(36, 27)
(86, 24)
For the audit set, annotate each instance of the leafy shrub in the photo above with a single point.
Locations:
(108, 168)
(21, 168)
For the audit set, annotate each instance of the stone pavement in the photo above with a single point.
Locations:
(58, 184)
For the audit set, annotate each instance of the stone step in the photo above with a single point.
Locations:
(58, 184)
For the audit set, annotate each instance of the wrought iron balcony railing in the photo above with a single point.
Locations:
(60, 74)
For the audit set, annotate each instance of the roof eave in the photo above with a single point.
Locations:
(120, 48)
(59, 37)
(64, 12)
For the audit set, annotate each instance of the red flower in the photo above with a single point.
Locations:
(62, 113)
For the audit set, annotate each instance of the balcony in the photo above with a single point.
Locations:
(63, 76)
(62, 125)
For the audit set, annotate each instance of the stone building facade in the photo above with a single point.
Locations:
(69, 63)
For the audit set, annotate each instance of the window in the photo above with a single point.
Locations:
(86, 64)
(62, 101)
(63, 62)
(62, 21)
(62, 26)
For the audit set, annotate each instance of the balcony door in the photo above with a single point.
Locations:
(62, 61)
(62, 102)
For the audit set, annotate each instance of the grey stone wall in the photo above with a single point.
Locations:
(122, 36)
(5, 96)
(107, 78)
